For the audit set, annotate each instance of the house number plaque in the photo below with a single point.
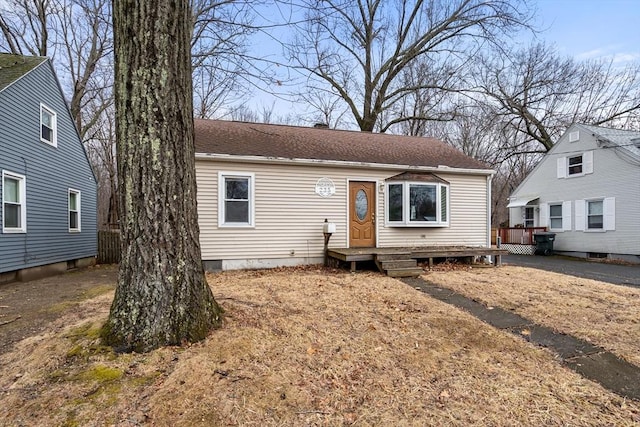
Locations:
(325, 187)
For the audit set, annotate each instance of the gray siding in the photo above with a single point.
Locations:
(49, 171)
(612, 177)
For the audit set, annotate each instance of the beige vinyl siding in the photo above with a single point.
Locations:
(289, 215)
(467, 223)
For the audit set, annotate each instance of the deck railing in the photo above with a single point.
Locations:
(518, 235)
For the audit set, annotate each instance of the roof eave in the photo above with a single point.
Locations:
(338, 163)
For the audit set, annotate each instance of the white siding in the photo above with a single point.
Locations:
(289, 215)
(611, 177)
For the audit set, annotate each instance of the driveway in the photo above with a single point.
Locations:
(627, 275)
(27, 308)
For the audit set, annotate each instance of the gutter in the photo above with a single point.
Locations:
(338, 163)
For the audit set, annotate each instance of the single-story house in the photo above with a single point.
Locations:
(586, 190)
(265, 192)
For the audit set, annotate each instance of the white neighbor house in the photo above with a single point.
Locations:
(586, 190)
(264, 192)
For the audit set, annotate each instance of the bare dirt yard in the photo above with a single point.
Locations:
(28, 308)
(322, 347)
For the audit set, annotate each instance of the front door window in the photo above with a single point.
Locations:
(362, 205)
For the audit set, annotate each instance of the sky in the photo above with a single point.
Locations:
(583, 29)
(591, 29)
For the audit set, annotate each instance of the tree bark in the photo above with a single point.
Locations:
(162, 297)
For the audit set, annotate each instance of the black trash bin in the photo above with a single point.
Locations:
(544, 242)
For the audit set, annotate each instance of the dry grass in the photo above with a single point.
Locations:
(601, 313)
(304, 348)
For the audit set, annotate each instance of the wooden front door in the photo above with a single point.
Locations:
(362, 214)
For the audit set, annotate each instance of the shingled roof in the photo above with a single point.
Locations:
(12, 67)
(292, 142)
(628, 140)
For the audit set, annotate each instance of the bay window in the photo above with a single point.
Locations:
(415, 203)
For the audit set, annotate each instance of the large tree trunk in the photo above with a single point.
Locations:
(162, 297)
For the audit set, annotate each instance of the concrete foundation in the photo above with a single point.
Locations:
(41, 271)
(632, 259)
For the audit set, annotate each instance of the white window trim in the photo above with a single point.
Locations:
(54, 119)
(23, 204)
(586, 216)
(548, 210)
(563, 165)
(79, 210)
(222, 175)
(405, 202)
(569, 166)
(608, 214)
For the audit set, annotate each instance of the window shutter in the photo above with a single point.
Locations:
(562, 167)
(609, 206)
(580, 223)
(544, 215)
(587, 162)
(566, 216)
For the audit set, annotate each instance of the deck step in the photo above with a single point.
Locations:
(393, 256)
(405, 272)
(398, 263)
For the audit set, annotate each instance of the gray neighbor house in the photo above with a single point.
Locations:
(47, 188)
(586, 190)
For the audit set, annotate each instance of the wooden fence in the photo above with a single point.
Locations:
(519, 236)
(108, 246)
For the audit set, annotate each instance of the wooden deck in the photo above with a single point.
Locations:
(429, 253)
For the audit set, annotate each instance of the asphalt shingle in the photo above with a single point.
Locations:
(292, 142)
(626, 139)
(12, 67)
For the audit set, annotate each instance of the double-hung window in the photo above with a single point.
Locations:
(74, 210)
(48, 128)
(575, 165)
(236, 199)
(418, 203)
(555, 216)
(14, 208)
(595, 215)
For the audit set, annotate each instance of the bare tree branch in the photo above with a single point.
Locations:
(360, 49)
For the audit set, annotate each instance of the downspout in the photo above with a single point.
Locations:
(25, 257)
(489, 180)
